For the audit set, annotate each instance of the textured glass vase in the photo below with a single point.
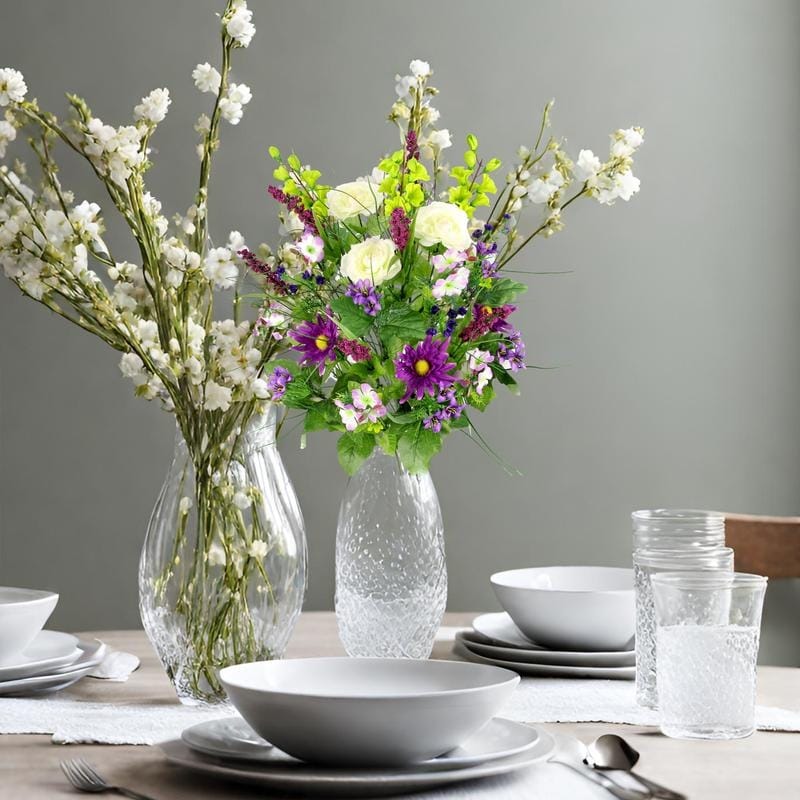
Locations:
(391, 577)
(223, 568)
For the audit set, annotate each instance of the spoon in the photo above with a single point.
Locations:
(571, 753)
(613, 752)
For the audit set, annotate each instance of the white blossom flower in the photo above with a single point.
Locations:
(86, 219)
(216, 555)
(206, 78)
(258, 549)
(12, 86)
(290, 224)
(259, 388)
(544, 187)
(185, 504)
(220, 268)
(404, 84)
(436, 141)
(154, 106)
(242, 500)
(236, 242)
(607, 189)
(240, 24)
(587, 165)
(7, 134)
(131, 366)
(203, 124)
(217, 397)
(478, 359)
(420, 69)
(625, 142)
(484, 376)
(231, 107)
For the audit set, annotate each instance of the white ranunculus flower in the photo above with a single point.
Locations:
(374, 259)
(348, 200)
(206, 78)
(12, 86)
(442, 223)
(218, 398)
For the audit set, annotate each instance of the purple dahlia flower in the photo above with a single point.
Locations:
(317, 341)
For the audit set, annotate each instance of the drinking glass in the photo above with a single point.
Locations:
(647, 563)
(708, 627)
(677, 528)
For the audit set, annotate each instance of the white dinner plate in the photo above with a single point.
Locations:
(92, 653)
(233, 738)
(482, 646)
(462, 649)
(501, 630)
(307, 779)
(48, 650)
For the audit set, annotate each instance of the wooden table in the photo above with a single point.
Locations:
(767, 765)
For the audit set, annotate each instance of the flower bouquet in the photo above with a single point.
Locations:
(222, 574)
(393, 291)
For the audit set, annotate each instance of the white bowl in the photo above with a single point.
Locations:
(366, 712)
(23, 613)
(571, 608)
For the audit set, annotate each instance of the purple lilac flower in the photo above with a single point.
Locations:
(363, 294)
(317, 341)
(278, 381)
(511, 355)
(296, 205)
(354, 350)
(399, 228)
(255, 264)
(424, 368)
(488, 254)
(412, 145)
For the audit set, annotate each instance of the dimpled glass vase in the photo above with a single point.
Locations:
(391, 577)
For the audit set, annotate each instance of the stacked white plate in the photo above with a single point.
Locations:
(229, 748)
(495, 639)
(52, 661)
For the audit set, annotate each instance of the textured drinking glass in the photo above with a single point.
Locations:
(677, 529)
(391, 578)
(708, 630)
(223, 567)
(647, 563)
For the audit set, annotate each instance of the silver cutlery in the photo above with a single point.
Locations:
(85, 778)
(613, 752)
(572, 754)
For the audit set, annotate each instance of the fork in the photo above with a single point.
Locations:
(85, 778)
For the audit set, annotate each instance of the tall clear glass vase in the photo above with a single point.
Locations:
(223, 569)
(391, 577)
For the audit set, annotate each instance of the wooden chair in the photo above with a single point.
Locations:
(764, 545)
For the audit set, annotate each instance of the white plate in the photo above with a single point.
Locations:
(233, 738)
(462, 650)
(48, 650)
(484, 647)
(500, 628)
(307, 779)
(92, 653)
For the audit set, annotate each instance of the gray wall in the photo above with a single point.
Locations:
(676, 332)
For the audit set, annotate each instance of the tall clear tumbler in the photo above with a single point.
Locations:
(646, 564)
(707, 635)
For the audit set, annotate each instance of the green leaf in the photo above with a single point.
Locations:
(352, 318)
(298, 395)
(274, 152)
(387, 441)
(317, 418)
(401, 323)
(504, 376)
(481, 401)
(503, 291)
(417, 446)
(354, 448)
